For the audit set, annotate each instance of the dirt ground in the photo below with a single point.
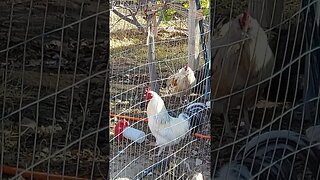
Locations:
(33, 134)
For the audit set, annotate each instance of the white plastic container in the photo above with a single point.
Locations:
(134, 134)
(122, 129)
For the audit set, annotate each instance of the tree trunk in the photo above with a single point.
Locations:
(152, 56)
(191, 37)
(197, 47)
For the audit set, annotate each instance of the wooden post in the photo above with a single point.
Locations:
(151, 54)
(191, 34)
(271, 9)
(197, 46)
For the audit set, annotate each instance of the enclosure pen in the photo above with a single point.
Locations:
(265, 90)
(53, 89)
(158, 64)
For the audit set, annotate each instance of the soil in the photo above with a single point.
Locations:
(42, 129)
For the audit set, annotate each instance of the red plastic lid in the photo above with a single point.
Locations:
(120, 126)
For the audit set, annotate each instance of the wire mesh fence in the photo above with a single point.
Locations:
(264, 90)
(53, 88)
(266, 84)
(130, 76)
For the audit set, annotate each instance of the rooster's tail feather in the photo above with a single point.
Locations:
(195, 114)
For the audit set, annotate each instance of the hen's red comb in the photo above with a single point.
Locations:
(186, 67)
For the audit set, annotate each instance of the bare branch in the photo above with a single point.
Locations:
(133, 21)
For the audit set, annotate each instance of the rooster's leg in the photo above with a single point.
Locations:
(186, 100)
(182, 98)
(186, 97)
(160, 150)
(170, 150)
(227, 124)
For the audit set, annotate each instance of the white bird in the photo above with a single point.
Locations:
(233, 64)
(170, 130)
(182, 82)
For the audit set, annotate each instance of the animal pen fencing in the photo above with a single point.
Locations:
(277, 141)
(53, 89)
(135, 38)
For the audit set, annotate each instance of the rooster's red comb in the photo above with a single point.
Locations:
(148, 88)
(244, 20)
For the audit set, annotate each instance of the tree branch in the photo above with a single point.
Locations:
(133, 21)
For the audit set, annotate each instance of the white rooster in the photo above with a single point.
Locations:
(182, 82)
(251, 59)
(170, 130)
